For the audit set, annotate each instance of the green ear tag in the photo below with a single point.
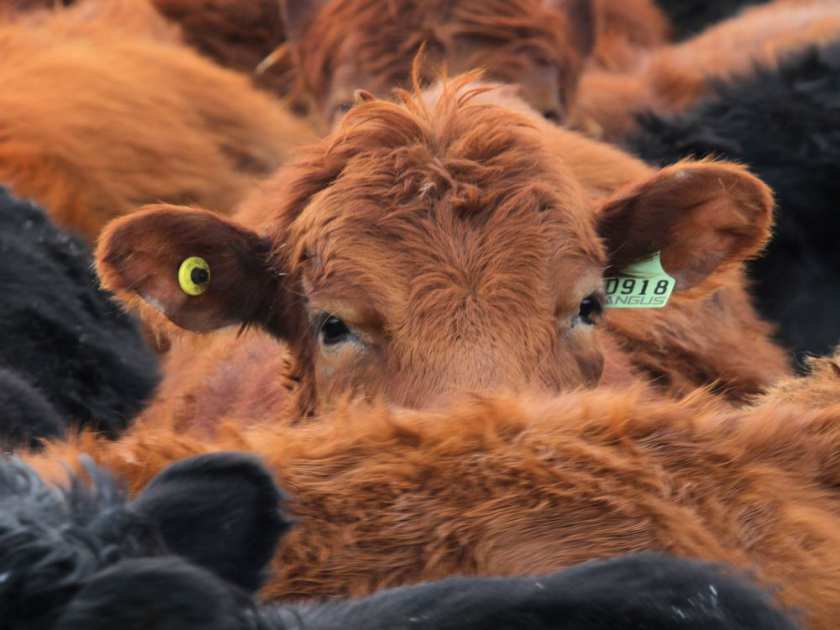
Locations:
(643, 285)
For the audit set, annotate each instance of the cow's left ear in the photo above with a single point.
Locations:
(701, 216)
(220, 511)
(198, 269)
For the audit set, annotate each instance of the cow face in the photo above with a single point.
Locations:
(435, 247)
(345, 45)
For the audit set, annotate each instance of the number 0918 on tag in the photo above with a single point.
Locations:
(643, 285)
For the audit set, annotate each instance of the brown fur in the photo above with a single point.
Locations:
(457, 238)
(675, 77)
(237, 34)
(502, 486)
(95, 121)
(344, 45)
(626, 30)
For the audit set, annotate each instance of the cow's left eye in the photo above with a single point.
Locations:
(334, 331)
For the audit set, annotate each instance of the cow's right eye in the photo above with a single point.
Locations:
(334, 331)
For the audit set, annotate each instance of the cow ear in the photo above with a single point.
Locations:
(298, 14)
(701, 216)
(582, 18)
(198, 269)
(221, 511)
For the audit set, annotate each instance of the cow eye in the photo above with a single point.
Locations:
(590, 310)
(340, 109)
(334, 331)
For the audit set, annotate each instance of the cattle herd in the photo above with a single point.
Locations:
(419, 314)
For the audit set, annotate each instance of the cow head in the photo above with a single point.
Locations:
(344, 45)
(435, 246)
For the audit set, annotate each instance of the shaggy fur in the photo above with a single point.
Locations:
(342, 45)
(676, 77)
(794, 281)
(542, 484)
(62, 335)
(458, 245)
(94, 121)
(25, 414)
(239, 35)
(82, 558)
(61, 548)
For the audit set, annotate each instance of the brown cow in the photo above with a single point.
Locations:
(496, 486)
(343, 45)
(674, 77)
(101, 113)
(451, 244)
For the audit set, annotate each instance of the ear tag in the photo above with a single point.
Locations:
(194, 276)
(642, 285)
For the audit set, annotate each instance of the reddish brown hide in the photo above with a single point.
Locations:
(540, 45)
(451, 244)
(343, 45)
(503, 486)
(674, 77)
(101, 112)
(238, 34)
(627, 29)
(241, 35)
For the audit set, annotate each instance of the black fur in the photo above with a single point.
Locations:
(647, 590)
(689, 17)
(785, 125)
(85, 559)
(25, 415)
(59, 332)
(55, 543)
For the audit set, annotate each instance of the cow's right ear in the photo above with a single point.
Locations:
(198, 269)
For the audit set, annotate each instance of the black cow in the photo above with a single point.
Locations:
(783, 123)
(62, 337)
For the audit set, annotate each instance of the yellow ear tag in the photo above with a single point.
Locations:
(643, 285)
(194, 276)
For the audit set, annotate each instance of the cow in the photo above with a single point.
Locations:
(95, 120)
(509, 486)
(450, 243)
(237, 35)
(674, 78)
(189, 550)
(68, 353)
(793, 281)
(339, 46)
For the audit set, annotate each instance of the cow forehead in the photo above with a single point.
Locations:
(383, 39)
(426, 257)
